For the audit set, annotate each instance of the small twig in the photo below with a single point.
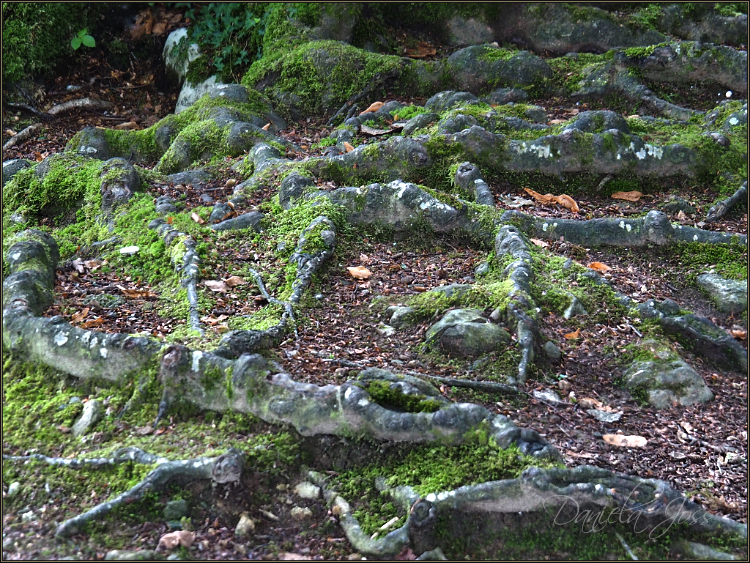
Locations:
(30, 109)
(631, 327)
(627, 548)
(85, 103)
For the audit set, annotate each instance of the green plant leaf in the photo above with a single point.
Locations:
(88, 41)
(75, 43)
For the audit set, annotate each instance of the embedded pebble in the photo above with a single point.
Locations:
(307, 490)
(299, 513)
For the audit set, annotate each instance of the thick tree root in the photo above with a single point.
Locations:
(654, 228)
(83, 103)
(720, 209)
(223, 469)
(122, 455)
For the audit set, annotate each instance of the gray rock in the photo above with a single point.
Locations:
(445, 100)
(536, 114)
(402, 316)
(597, 121)
(503, 96)
(13, 167)
(547, 395)
(419, 121)
(466, 333)
(191, 93)
(456, 123)
(552, 351)
(483, 269)
(603, 416)
(574, 309)
(466, 174)
(92, 413)
(666, 379)
(292, 187)
(730, 296)
(709, 341)
(453, 290)
(474, 69)
(120, 180)
(219, 212)
(468, 31)
(307, 490)
(482, 193)
(677, 204)
(249, 220)
(13, 489)
(176, 509)
(343, 135)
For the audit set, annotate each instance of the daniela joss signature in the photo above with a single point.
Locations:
(628, 511)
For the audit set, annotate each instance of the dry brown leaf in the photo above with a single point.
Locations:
(364, 258)
(687, 426)
(10, 132)
(589, 403)
(144, 430)
(557, 121)
(266, 126)
(136, 293)
(573, 335)
(423, 49)
(539, 242)
(375, 106)
(599, 267)
(216, 286)
(170, 220)
(234, 281)
(159, 28)
(623, 441)
(738, 334)
(173, 539)
(93, 323)
(681, 215)
(79, 316)
(359, 272)
(545, 199)
(629, 196)
(197, 218)
(567, 202)
(91, 264)
(348, 147)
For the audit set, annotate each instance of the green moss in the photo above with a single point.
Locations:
(390, 396)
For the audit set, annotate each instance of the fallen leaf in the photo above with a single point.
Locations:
(423, 49)
(266, 126)
(234, 281)
(359, 272)
(92, 264)
(681, 215)
(11, 132)
(136, 293)
(38, 157)
(599, 267)
(170, 220)
(93, 323)
(629, 196)
(567, 202)
(197, 218)
(127, 126)
(78, 265)
(375, 106)
(557, 121)
(79, 316)
(539, 242)
(364, 258)
(144, 430)
(589, 403)
(687, 426)
(158, 28)
(621, 440)
(573, 335)
(216, 286)
(173, 539)
(739, 334)
(228, 184)
(372, 132)
(129, 250)
(545, 199)
(348, 147)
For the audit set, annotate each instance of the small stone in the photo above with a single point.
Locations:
(176, 509)
(547, 395)
(341, 372)
(127, 555)
(92, 413)
(496, 315)
(354, 557)
(245, 526)
(307, 490)
(14, 488)
(574, 309)
(603, 416)
(239, 548)
(129, 250)
(299, 513)
(28, 516)
(386, 330)
(552, 351)
(482, 269)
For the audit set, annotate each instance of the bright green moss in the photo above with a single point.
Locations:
(390, 396)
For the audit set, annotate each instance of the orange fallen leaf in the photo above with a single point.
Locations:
(629, 196)
(739, 334)
(573, 335)
(599, 267)
(197, 218)
(137, 293)
(545, 199)
(375, 106)
(567, 202)
(234, 281)
(266, 126)
(38, 157)
(170, 220)
(93, 323)
(348, 147)
(79, 316)
(539, 242)
(623, 441)
(359, 272)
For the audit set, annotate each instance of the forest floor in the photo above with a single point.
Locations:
(700, 450)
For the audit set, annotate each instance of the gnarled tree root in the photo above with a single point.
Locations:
(720, 209)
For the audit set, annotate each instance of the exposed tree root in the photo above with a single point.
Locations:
(22, 136)
(654, 228)
(222, 469)
(122, 455)
(720, 209)
(83, 103)
(377, 81)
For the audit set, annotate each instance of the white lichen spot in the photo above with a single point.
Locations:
(103, 352)
(197, 355)
(431, 497)
(348, 393)
(628, 227)
(401, 191)
(15, 256)
(94, 342)
(61, 338)
(88, 150)
(86, 337)
(695, 238)
(544, 227)
(554, 225)
(222, 94)
(619, 156)
(733, 121)
(622, 224)
(363, 402)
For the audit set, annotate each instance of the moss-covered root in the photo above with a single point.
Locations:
(720, 209)
(316, 244)
(654, 228)
(520, 305)
(222, 469)
(386, 547)
(32, 258)
(561, 495)
(185, 258)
